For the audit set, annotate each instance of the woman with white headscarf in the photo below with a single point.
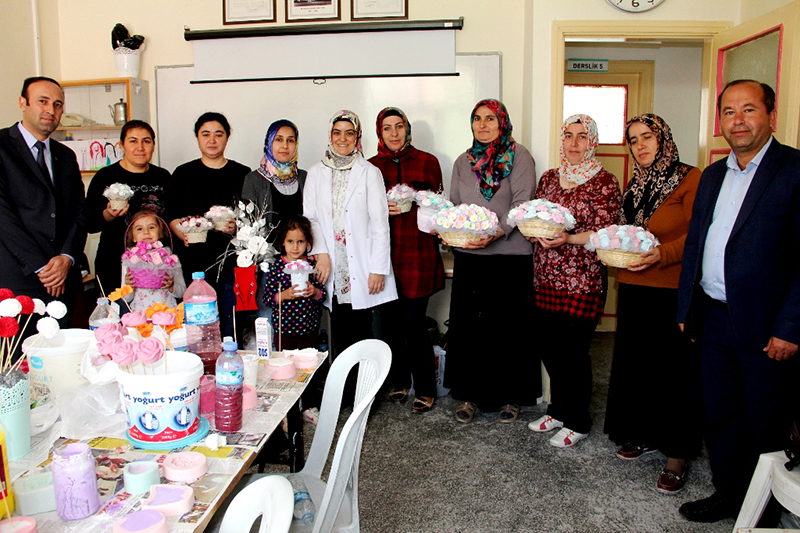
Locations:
(345, 200)
(570, 281)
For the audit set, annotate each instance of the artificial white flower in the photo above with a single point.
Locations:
(245, 234)
(48, 327)
(10, 307)
(264, 266)
(257, 245)
(38, 306)
(56, 309)
(244, 259)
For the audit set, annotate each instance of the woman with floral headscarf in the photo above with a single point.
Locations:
(276, 186)
(642, 415)
(345, 200)
(416, 262)
(493, 278)
(570, 281)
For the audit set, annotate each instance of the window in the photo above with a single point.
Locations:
(606, 104)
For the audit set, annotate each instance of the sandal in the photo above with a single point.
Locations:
(398, 396)
(509, 413)
(466, 412)
(421, 405)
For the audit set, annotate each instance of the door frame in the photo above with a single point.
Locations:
(666, 30)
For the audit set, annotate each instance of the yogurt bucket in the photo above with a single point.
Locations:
(55, 364)
(162, 408)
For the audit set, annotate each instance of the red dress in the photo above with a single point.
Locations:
(416, 261)
(571, 279)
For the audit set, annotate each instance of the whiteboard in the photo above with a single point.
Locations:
(437, 107)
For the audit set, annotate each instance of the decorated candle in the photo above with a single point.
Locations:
(75, 482)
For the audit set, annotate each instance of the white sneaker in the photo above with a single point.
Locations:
(545, 423)
(566, 438)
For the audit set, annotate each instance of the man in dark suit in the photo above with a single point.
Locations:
(41, 201)
(740, 294)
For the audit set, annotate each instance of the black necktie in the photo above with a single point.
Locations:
(40, 158)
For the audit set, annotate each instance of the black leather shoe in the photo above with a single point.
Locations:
(711, 509)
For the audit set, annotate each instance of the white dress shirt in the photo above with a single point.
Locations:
(729, 202)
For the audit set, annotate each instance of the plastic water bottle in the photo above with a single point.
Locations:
(201, 318)
(230, 377)
(304, 509)
(104, 313)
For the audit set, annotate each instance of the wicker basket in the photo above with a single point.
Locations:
(617, 258)
(221, 224)
(405, 205)
(196, 236)
(458, 239)
(118, 204)
(534, 227)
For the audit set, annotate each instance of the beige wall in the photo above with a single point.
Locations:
(755, 8)
(88, 54)
(16, 41)
(76, 39)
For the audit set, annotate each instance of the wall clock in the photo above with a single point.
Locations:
(634, 6)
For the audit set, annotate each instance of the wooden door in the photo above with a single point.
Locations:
(765, 49)
(637, 77)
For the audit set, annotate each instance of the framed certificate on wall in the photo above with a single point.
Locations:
(378, 9)
(310, 10)
(247, 11)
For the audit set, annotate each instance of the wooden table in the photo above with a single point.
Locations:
(227, 465)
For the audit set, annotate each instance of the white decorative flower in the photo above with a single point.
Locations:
(10, 307)
(56, 309)
(48, 327)
(244, 259)
(39, 307)
(245, 234)
(257, 245)
(264, 266)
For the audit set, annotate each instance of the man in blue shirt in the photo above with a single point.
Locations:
(740, 294)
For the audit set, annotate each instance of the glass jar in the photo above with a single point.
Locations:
(75, 481)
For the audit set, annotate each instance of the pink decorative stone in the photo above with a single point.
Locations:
(185, 466)
(169, 500)
(142, 522)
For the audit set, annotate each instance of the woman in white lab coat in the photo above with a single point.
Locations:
(345, 200)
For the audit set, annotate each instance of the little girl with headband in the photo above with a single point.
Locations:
(149, 267)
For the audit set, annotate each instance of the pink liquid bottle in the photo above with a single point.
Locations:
(201, 318)
(230, 377)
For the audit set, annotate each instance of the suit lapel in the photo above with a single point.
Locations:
(25, 153)
(764, 173)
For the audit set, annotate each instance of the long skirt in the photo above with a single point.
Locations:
(654, 394)
(491, 354)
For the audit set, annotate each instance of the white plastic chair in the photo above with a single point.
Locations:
(336, 501)
(270, 497)
(770, 477)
